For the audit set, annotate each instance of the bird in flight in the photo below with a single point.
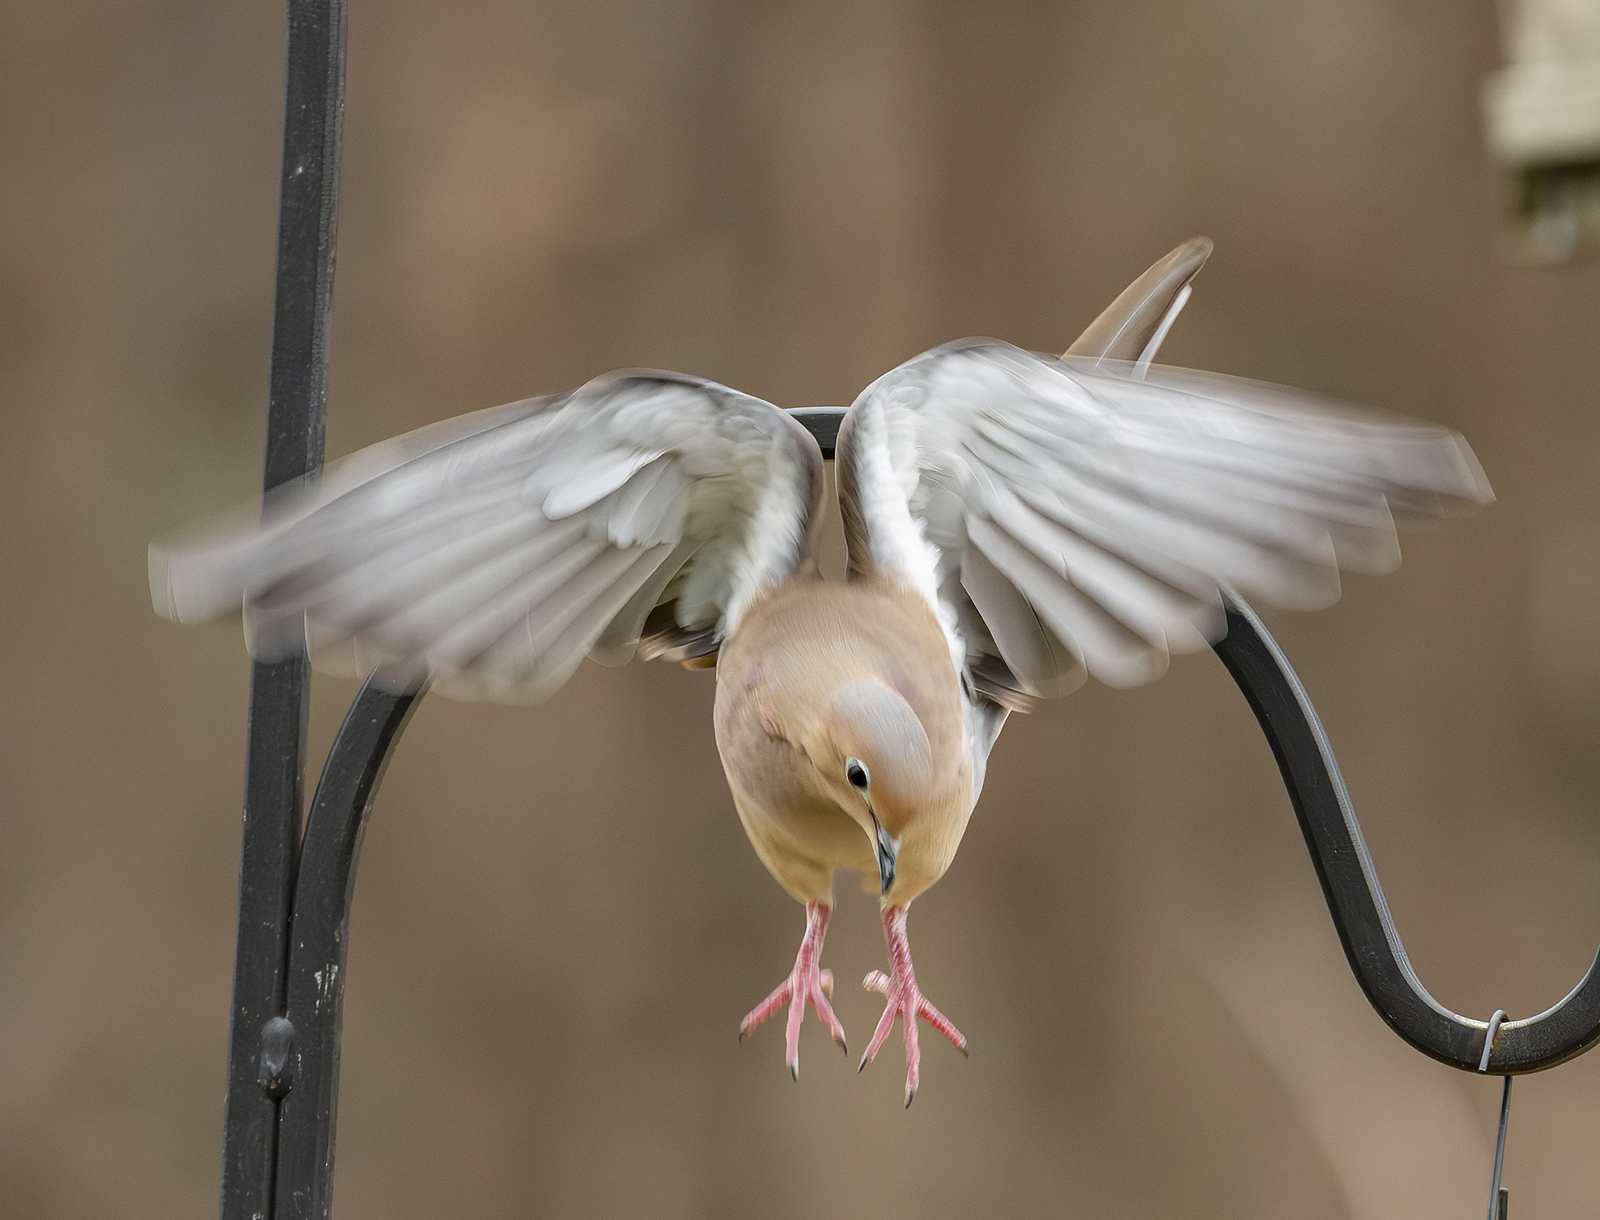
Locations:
(1015, 523)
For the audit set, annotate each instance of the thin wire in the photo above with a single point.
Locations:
(1505, 1113)
(1500, 1151)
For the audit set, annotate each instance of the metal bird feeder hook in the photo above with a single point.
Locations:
(295, 890)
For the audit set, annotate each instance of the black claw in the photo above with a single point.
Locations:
(862, 1066)
(911, 1096)
(794, 1070)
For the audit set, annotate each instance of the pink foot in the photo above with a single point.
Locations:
(805, 982)
(905, 1000)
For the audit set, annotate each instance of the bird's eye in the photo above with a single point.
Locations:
(856, 772)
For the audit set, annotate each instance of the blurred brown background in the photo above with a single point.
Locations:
(558, 922)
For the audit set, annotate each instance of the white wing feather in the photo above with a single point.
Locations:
(488, 555)
(1072, 516)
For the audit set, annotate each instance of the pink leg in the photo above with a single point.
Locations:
(805, 983)
(904, 1000)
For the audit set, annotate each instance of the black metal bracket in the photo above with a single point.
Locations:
(295, 894)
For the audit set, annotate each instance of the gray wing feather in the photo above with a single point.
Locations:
(1047, 665)
(488, 555)
(1084, 512)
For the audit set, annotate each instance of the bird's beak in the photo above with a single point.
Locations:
(888, 849)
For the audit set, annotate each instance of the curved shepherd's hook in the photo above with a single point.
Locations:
(1355, 899)
(319, 942)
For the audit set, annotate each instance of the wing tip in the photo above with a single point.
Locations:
(182, 591)
(1477, 491)
(163, 598)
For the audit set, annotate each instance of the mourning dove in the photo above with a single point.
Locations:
(1015, 522)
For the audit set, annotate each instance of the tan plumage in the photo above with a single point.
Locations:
(1015, 522)
(821, 672)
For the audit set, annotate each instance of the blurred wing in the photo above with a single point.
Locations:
(489, 554)
(1078, 515)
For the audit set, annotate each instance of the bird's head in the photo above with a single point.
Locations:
(877, 763)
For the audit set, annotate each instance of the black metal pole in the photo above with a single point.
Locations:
(308, 204)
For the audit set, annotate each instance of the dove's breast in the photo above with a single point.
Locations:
(776, 678)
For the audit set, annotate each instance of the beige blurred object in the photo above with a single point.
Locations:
(1543, 113)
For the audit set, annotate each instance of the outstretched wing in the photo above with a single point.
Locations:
(1072, 516)
(489, 554)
